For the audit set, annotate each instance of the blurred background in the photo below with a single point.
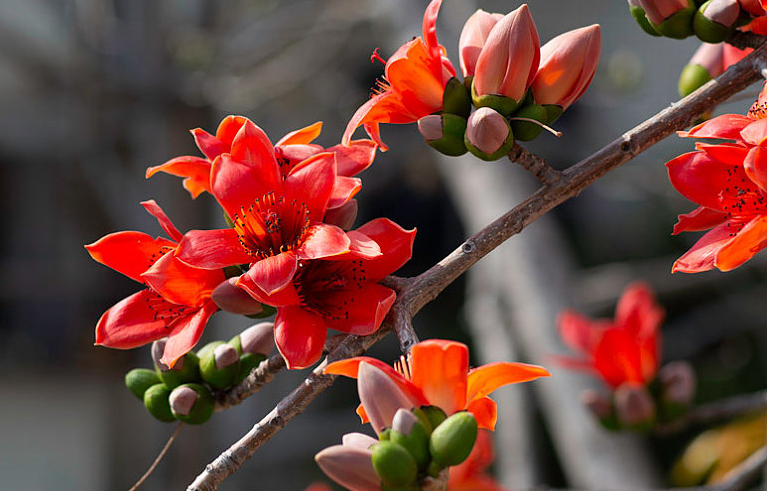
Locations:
(92, 92)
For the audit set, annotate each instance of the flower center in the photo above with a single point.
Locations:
(758, 109)
(164, 310)
(318, 284)
(741, 199)
(271, 225)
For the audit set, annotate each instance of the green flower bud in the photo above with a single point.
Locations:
(192, 403)
(444, 133)
(423, 418)
(715, 20)
(208, 348)
(679, 24)
(691, 78)
(435, 415)
(456, 99)
(393, 464)
(156, 402)
(186, 369)
(220, 367)
(139, 380)
(638, 13)
(408, 431)
(248, 362)
(525, 130)
(452, 441)
(385, 435)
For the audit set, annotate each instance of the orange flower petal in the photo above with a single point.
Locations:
(303, 136)
(485, 410)
(485, 379)
(751, 239)
(438, 367)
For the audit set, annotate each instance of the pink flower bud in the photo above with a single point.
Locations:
(182, 400)
(634, 405)
(568, 63)
(487, 130)
(678, 381)
(158, 349)
(258, 338)
(431, 127)
(710, 57)
(403, 421)
(351, 467)
(230, 298)
(358, 440)
(597, 403)
(509, 59)
(753, 7)
(473, 37)
(659, 10)
(225, 355)
(343, 216)
(380, 396)
(724, 12)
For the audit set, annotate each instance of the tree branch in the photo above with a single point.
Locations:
(536, 165)
(420, 290)
(718, 411)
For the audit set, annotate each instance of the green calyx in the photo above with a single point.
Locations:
(525, 130)
(453, 129)
(502, 104)
(434, 415)
(156, 402)
(452, 441)
(139, 380)
(394, 464)
(639, 15)
(248, 362)
(187, 369)
(502, 151)
(678, 25)
(220, 375)
(553, 112)
(208, 348)
(203, 407)
(456, 99)
(692, 78)
(416, 443)
(708, 30)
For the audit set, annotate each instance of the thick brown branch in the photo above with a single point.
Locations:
(536, 165)
(416, 292)
(742, 40)
(719, 411)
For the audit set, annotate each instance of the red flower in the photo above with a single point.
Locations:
(729, 182)
(623, 350)
(276, 220)
(340, 293)
(293, 148)
(437, 373)
(414, 82)
(176, 303)
(471, 474)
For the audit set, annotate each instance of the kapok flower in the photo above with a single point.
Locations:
(624, 350)
(509, 59)
(567, 66)
(292, 149)
(276, 220)
(473, 37)
(413, 84)
(176, 303)
(340, 293)
(436, 372)
(471, 474)
(659, 10)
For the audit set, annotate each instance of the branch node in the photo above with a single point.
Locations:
(468, 247)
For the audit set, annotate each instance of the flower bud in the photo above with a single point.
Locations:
(230, 298)
(351, 467)
(203, 352)
(220, 367)
(705, 64)
(639, 15)
(186, 369)
(677, 380)
(671, 18)
(358, 440)
(343, 216)
(156, 402)
(634, 406)
(408, 431)
(258, 338)
(600, 407)
(444, 133)
(139, 380)
(473, 37)
(488, 134)
(380, 396)
(568, 64)
(509, 59)
(434, 414)
(451, 442)
(394, 464)
(456, 99)
(192, 403)
(715, 20)
(249, 361)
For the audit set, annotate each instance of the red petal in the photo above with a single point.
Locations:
(300, 336)
(294, 154)
(323, 240)
(281, 298)
(228, 129)
(212, 249)
(580, 333)
(186, 333)
(236, 184)
(311, 182)
(353, 159)
(751, 239)
(134, 321)
(130, 253)
(485, 379)
(385, 107)
(273, 273)
(180, 283)
(208, 144)
(701, 218)
(726, 153)
(363, 246)
(396, 246)
(154, 209)
(755, 166)
(252, 147)
(617, 358)
(485, 411)
(638, 311)
(699, 178)
(303, 136)
(439, 368)
(756, 132)
(195, 170)
(702, 254)
(344, 189)
(726, 126)
(360, 311)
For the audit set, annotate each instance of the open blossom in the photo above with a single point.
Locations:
(623, 350)
(289, 151)
(436, 373)
(339, 293)
(414, 81)
(176, 303)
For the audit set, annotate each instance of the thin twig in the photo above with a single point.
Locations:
(718, 411)
(420, 290)
(159, 457)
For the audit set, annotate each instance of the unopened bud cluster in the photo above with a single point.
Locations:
(516, 85)
(638, 407)
(185, 391)
(712, 21)
(420, 444)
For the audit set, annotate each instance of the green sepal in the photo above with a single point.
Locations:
(453, 129)
(502, 104)
(692, 78)
(156, 402)
(267, 312)
(456, 99)
(678, 25)
(208, 348)
(203, 406)
(385, 435)
(639, 15)
(248, 362)
(190, 372)
(237, 343)
(423, 418)
(524, 130)
(139, 380)
(434, 414)
(707, 30)
(433, 469)
(394, 464)
(553, 112)
(218, 378)
(416, 443)
(451, 442)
